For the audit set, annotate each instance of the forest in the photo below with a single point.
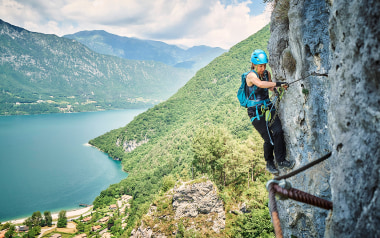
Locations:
(200, 131)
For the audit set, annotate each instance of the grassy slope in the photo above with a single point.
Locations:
(40, 73)
(208, 99)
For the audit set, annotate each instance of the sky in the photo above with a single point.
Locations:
(217, 23)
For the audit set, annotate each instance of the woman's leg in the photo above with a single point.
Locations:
(260, 126)
(279, 144)
(278, 140)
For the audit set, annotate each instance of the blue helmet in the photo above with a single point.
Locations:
(259, 57)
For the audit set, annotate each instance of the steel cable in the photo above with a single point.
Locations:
(304, 167)
(274, 211)
(301, 196)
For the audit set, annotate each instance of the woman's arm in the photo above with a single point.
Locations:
(252, 79)
(270, 80)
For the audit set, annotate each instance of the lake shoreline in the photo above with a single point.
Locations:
(57, 169)
(70, 214)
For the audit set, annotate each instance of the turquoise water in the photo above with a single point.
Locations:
(45, 164)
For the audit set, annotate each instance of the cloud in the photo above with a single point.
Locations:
(185, 22)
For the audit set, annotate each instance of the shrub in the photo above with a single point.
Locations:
(168, 183)
(288, 61)
(255, 224)
(281, 10)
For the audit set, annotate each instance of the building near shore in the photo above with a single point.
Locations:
(22, 228)
(95, 228)
(87, 219)
(104, 219)
(81, 236)
(56, 235)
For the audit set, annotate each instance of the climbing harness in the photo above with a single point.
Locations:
(280, 186)
(264, 107)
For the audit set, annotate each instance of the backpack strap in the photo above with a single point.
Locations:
(253, 91)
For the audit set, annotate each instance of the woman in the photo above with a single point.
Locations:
(259, 81)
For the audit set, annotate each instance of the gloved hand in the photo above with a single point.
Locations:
(282, 84)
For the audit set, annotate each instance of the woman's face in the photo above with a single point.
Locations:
(260, 68)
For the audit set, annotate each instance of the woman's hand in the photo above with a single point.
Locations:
(282, 84)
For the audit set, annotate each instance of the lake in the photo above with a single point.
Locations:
(45, 164)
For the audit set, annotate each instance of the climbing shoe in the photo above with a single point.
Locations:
(272, 169)
(286, 164)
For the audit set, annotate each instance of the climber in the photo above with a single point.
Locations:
(258, 81)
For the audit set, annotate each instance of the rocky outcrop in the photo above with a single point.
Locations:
(129, 146)
(333, 49)
(195, 205)
(199, 198)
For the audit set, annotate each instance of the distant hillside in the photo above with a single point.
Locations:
(203, 120)
(42, 73)
(132, 48)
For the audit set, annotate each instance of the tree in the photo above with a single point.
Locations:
(62, 219)
(212, 147)
(168, 182)
(33, 232)
(10, 231)
(254, 224)
(28, 222)
(80, 227)
(48, 218)
(6, 226)
(34, 220)
(111, 223)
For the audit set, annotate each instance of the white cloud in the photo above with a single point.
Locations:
(186, 22)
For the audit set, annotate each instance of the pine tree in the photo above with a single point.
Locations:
(62, 219)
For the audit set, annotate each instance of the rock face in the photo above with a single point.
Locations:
(195, 204)
(333, 49)
(354, 116)
(200, 198)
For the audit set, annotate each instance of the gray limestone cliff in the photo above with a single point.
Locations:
(332, 47)
(195, 205)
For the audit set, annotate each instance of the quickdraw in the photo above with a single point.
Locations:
(276, 103)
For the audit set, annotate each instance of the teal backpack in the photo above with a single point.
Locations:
(242, 94)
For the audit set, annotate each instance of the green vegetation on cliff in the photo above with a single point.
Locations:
(202, 129)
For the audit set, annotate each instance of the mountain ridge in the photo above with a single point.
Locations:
(43, 73)
(133, 48)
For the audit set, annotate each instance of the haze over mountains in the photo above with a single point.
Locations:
(42, 73)
(132, 48)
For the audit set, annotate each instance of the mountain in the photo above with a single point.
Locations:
(132, 48)
(202, 122)
(42, 73)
